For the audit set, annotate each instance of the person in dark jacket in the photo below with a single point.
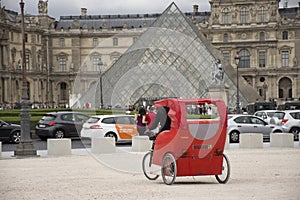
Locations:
(162, 120)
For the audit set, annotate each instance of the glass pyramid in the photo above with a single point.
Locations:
(170, 59)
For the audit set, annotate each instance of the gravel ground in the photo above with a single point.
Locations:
(255, 174)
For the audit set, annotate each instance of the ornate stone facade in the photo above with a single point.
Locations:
(265, 37)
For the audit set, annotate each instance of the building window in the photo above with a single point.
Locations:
(96, 63)
(62, 42)
(225, 37)
(26, 37)
(245, 59)
(27, 62)
(134, 39)
(225, 16)
(12, 36)
(262, 14)
(262, 59)
(285, 58)
(63, 91)
(63, 64)
(285, 35)
(95, 42)
(115, 41)
(226, 57)
(262, 36)
(244, 13)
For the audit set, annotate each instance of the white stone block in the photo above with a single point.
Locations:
(0, 149)
(282, 140)
(141, 143)
(227, 144)
(59, 147)
(251, 140)
(103, 145)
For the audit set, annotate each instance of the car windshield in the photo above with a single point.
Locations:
(295, 115)
(270, 114)
(93, 120)
(48, 117)
(279, 115)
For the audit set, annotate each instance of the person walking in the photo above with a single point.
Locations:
(141, 121)
(150, 116)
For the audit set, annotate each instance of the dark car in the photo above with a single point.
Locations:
(60, 124)
(10, 132)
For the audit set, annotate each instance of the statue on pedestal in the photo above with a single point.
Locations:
(217, 72)
(43, 7)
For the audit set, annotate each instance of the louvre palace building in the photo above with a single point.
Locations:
(86, 55)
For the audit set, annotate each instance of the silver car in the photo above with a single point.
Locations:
(266, 115)
(239, 124)
(289, 120)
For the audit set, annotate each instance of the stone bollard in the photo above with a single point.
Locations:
(141, 143)
(59, 147)
(282, 140)
(103, 145)
(251, 140)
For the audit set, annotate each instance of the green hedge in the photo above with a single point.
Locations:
(13, 116)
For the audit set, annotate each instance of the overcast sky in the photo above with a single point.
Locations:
(57, 8)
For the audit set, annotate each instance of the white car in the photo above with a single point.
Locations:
(120, 127)
(289, 120)
(266, 115)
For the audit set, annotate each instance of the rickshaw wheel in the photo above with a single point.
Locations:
(168, 169)
(147, 166)
(224, 177)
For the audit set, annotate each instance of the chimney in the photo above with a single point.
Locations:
(285, 3)
(195, 8)
(83, 11)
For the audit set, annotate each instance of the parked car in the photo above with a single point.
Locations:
(266, 115)
(239, 124)
(289, 120)
(120, 127)
(10, 132)
(60, 124)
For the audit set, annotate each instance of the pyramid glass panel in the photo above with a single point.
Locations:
(170, 59)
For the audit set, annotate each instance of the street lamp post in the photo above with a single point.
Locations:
(100, 64)
(25, 147)
(237, 62)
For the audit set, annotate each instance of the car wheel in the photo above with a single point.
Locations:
(111, 134)
(16, 137)
(59, 134)
(295, 131)
(234, 137)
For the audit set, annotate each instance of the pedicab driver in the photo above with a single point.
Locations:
(162, 121)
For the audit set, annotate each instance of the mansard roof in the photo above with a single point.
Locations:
(289, 12)
(119, 21)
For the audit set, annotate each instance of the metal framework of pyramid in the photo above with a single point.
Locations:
(170, 59)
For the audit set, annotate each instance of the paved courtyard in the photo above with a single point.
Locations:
(269, 173)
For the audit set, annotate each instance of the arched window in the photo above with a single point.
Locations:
(63, 91)
(262, 15)
(285, 35)
(225, 37)
(225, 16)
(285, 88)
(244, 14)
(262, 36)
(244, 59)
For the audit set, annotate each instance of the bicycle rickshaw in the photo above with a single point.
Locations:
(193, 146)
